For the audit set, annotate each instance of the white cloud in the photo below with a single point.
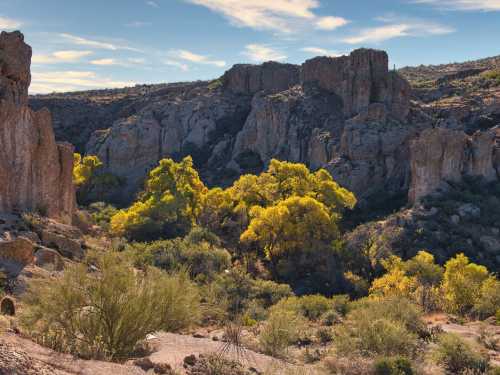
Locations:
(397, 30)
(320, 51)
(9, 23)
(153, 4)
(44, 82)
(481, 5)
(60, 57)
(330, 23)
(261, 53)
(95, 44)
(277, 15)
(105, 62)
(195, 58)
(177, 64)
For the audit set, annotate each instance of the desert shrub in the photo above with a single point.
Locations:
(493, 75)
(457, 356)
(202, 259)
(393, 366)
(244, 293)
(214, 364)
(348, 365)
(105, 313)
(373, 338)
(282, 329)
(386, 327)
(489, 302)
(314, 307)
(325, 335)
(102, 213)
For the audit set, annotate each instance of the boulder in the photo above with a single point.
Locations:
(19, 250)
(68, 247)
(35, 171)
(48, 259)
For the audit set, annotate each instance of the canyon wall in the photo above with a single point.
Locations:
(35, 171)
(440, 156)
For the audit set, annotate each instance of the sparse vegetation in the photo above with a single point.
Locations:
(106, 313)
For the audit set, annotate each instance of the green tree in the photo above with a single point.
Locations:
(168, 206)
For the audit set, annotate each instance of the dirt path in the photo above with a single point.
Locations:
(172, 349)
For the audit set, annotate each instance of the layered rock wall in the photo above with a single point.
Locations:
(35, 171)
(439, 156)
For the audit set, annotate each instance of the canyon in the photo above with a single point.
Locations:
(351, 115)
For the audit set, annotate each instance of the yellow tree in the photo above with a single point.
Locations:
(168, 206)
(295, 224)
(462, 284)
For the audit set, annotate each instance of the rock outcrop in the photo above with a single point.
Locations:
(35, 171)
(441, 155)
(270, 76)
(360, 79)
(254, 113)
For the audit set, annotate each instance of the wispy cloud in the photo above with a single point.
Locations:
(261, 53)
(153, 4)
(177, 64)
(60, 57)
(138, 24)
(330, 23)
(44, 82)
(320, 51)
(105, 62)
(392, 29)
(195, 58)
(77, 40)
(283, 16)
(9, 23)
(470, 5)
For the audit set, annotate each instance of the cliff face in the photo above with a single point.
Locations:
(258, 112)
(440, 156)
(350, 115)
(35, 171)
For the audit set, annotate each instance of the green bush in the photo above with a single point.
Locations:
(387, 327)
(202, 259)
(282, 329)
(314, 307)
(375, 337)
(393, 366)
(243, 293)
(104, 314)
(102, 213)
(457, 356)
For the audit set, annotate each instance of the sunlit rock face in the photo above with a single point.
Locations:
(440, 156)
(35, 171)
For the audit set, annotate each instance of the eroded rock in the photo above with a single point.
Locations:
(35, 171)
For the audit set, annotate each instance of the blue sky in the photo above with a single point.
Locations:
(86, 44)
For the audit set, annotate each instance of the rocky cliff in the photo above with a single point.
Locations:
(350, 115)
(440, 156)
(315, 113)
(36, 172)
